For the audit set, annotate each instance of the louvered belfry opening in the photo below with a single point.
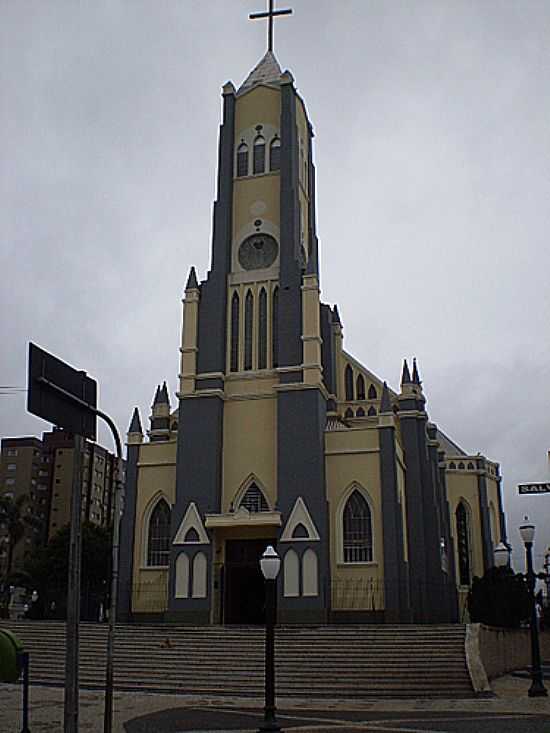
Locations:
(254, 500)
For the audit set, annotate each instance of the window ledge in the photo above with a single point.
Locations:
(155, 567)
(342, 564)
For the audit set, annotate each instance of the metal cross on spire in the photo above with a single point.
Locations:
(270, 15)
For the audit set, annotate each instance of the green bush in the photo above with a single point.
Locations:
(499, 598)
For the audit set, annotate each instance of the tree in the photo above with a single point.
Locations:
(49, 566)
(500, 598)
(15, 520)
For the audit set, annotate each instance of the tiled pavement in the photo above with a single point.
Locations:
(511, 711)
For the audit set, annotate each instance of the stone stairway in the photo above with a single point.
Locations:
(351, 661)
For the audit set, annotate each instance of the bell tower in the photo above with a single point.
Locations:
(251, 379)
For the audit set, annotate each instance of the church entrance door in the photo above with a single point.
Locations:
(244, 591)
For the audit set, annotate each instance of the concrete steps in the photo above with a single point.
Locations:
(327, 661)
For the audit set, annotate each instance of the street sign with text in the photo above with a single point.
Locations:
(61, 394)
(540, 487)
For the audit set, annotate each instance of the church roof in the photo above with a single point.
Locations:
(266, 71)
(135, 425)
(448, 445)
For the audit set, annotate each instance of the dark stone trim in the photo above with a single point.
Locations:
(303, 616)
(213, 292)
(193, 617)
(291, 377)
(209, 383)
(328, 351)
(486, 540)
(302, 473)
(290, 269)
(356, 617)
(312, 214)
(127, 536)
(501, 515)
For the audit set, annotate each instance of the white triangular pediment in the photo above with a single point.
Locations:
(300, 515)
(191, 520)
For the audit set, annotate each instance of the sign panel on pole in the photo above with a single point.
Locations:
(61, 394)
(539, 487)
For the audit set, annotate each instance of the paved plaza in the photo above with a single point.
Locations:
(510, 711)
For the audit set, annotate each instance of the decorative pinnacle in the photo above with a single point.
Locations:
(336, 316)
(385, 402)
(406, 375)
(192, 283)
(415, 374)
(135, 423)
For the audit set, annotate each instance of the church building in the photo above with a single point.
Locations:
(278, 435)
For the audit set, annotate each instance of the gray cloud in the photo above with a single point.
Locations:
(432, 149)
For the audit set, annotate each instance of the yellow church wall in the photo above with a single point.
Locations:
(156, 477)
(249, 441)
(463, 486)
(259, 106)
(255, 197)
(352, 458)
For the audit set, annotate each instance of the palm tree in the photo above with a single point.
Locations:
(14, 520)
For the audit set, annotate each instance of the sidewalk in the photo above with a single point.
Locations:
(153, 713)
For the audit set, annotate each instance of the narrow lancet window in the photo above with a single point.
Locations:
(234, 366)
(158, 545)
(262, 331)
(372, 392)
(463, 534)
(348, 378)
(275, 328)
(357, 529)
(275, 154)
(242, 160)
(248, 318)
(259, 155)
(360, 387)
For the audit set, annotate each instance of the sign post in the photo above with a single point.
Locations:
(67, 397)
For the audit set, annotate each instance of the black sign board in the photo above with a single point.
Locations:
(541, 487)
(60, 394)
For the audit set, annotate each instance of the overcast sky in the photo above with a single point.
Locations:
(432, 151)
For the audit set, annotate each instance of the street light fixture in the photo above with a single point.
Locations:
(537, 689)
(270, 564)
(502, 555)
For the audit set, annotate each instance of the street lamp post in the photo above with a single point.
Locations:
(270, 564)
(537, 689)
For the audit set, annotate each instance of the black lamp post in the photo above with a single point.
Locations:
(270, 564)
(537, 689)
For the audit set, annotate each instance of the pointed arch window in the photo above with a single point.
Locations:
(275, 154)
(360, 412)
(242, 160)
(254, 500)
(158, 542)
(463, 545)
(248, 318)
(262, 331)
(234, 365)
(259, 155)
(373, 395)
(275, 328)
(348, 378)
(372, 412)
(360, 387)
(357, 529)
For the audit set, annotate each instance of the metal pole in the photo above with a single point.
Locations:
(70, 722)
(537, 688)
(109, 674)
(25, 728)
(270, 722)
(117, 511)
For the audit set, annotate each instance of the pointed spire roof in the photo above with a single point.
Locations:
(135, 423)
(163, 394)
(157, 394)
(385, 402)
(266, 71)
(192, 283)
(415, 375)
(336, 316)
(406, 375)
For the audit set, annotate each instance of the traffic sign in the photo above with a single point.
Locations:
(61, 394)
(540, 487)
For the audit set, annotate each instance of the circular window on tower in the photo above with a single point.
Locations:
(258, 251)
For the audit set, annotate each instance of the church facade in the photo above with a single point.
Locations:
(280, 436)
